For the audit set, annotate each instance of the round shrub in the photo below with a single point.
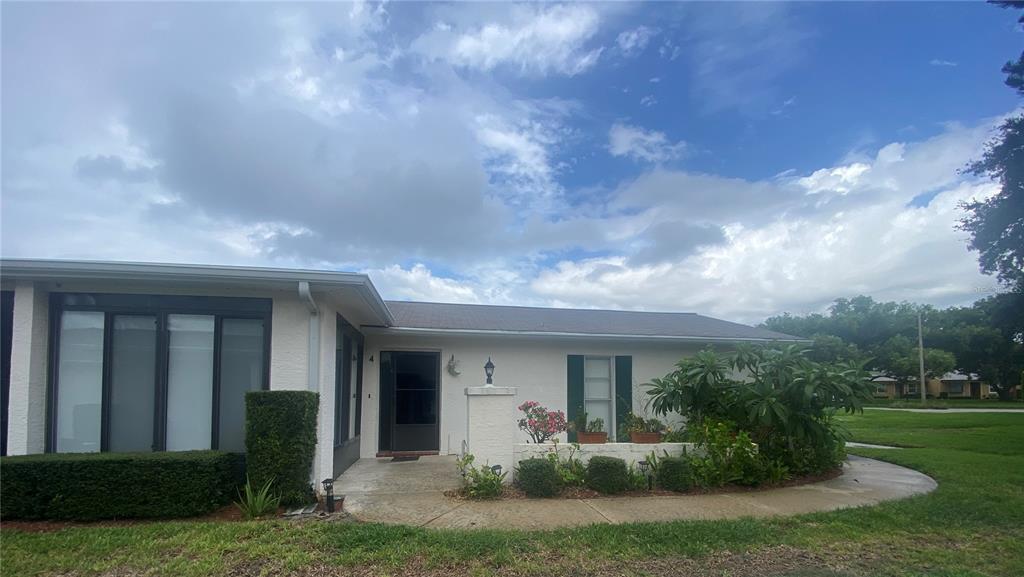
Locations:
(607, 475)
(538, 478)
(674, 474)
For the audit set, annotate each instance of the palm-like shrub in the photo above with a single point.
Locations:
(255, 503)
(782, 399)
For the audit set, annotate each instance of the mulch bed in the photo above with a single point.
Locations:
(513, 492)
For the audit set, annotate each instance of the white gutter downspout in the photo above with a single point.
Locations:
(313, 372)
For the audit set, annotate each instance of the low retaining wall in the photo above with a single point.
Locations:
(631, 453)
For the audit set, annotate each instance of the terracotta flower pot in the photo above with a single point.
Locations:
(644, 438)
(591, 438)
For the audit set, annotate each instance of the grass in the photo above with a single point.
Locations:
(970, 526)
(947, 404)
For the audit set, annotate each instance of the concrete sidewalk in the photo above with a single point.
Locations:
(377, 490)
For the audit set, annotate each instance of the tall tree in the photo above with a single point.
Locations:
(984, 339)
(996, 225)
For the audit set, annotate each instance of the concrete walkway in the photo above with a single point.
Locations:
(869, 446)
(411, 493)
(1019, 411)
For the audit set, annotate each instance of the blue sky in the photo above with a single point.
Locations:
(735, 159)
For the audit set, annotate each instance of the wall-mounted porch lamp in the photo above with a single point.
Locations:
(489, 369)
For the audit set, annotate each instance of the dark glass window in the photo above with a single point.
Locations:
(132, 383)
(149, 372)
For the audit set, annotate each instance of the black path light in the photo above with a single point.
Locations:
(644, 466)
(328, 484)
(489, 369)
(496, 469)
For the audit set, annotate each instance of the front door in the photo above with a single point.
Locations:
(409, 398)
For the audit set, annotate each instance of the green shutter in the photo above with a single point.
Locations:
(575, 389)
(623, 389)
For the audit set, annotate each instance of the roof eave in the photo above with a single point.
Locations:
(395, 330)
(42, 269)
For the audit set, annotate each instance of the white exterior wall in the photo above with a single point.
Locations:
(289, 344)
(535, 365)
(26, 425)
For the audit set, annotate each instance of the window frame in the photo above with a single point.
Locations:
(160, 306)
(610, 426)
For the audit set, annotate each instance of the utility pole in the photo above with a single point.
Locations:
(920, 353)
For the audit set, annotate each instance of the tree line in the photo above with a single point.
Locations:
(986, 338)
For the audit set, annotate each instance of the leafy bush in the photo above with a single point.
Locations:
(729, 457)
(572, 471)
(595, 426)
(538, 478)
(784, 405)
(674, 436)
(94, 486)
(673, 474)
(480, 482)
(776, 471)
(540, 423)
(637, 478)
(634, 423)
(280, 440)
(607, 475)
(255, 503)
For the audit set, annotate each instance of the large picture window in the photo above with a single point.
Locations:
(142, 372)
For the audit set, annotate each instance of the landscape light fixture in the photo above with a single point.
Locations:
(489, 369)
(644, 466)
(328, 484)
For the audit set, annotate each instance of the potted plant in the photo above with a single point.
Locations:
(593, 433)
(641, 430)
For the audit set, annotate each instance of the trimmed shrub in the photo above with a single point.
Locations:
(607, 475)
(673, 474)
(280, 440)
(538, 477)
(90, 486)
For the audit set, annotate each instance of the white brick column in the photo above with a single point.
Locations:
(491, 429)
(26, 425)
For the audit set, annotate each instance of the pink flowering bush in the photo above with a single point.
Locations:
(540, 423)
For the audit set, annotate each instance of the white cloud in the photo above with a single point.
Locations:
(518, 156)
(940, 62)
(841, 179)
(418, 283)
(633, 42)
(532, 39)
(648, 101)
(639, 144)
(315, 138)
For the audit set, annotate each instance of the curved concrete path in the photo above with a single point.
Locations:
(412, 494)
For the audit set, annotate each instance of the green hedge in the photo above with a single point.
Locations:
(674, 474)
(280, 440)
(538, 477)
(94, 486)
(607, 475)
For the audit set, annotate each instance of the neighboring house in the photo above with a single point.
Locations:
(951, 385)
(111, 356)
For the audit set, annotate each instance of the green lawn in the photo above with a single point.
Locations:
(948, 404)
(972, 525)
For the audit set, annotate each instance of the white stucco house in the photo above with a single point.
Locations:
(115, 356)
